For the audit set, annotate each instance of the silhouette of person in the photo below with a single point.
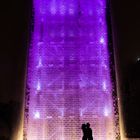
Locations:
(84, 129)
(89, 132)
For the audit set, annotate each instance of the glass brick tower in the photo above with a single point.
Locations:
(68, 72)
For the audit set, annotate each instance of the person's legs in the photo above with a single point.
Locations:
(84, 138)
(90, 138)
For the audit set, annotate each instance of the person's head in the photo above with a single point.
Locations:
(88, 125)
(83, 126)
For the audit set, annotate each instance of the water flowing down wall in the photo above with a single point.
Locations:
(68, 73)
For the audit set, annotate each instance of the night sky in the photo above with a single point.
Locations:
(15, 16)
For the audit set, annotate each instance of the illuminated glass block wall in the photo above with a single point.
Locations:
(68, 72)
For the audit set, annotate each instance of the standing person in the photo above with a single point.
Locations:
(84, 129)
(89, 132)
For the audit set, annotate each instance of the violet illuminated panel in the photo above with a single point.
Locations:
(68, 73)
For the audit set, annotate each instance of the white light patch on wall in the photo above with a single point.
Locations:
(37, 115)
(104, 86)
(39, 63)
(38, 86)
(102, 40)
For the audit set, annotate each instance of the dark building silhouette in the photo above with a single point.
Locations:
(9, 118)
(131, 100)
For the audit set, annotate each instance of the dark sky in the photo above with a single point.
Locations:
(126, 20)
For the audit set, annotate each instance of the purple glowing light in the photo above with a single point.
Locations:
(68, 75)
(104, 86)
(53, 9)
(102, 41)
(62, 9)
(39, 63)
(38, 86)
(106, 112)
(36, 115)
